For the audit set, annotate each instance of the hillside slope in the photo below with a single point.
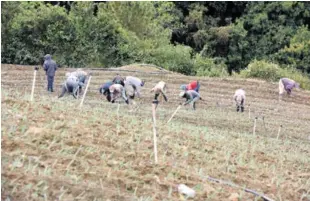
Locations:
(51, 150)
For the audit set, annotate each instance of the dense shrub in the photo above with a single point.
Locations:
(273, 72)
(204, 66)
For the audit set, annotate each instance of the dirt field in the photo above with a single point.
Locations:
(51, 150)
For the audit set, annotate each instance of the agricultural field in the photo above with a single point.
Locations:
(52, 150)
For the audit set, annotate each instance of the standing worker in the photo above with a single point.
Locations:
(160, 88)
(117, 91)
(194, 85)
(239, 98)
(136, 84)
(50, 68)
(287, 85)
(191, 97)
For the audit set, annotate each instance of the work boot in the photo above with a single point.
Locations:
(242, 108)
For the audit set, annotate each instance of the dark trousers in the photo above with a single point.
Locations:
(50, 82)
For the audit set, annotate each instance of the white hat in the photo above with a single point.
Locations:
(182, 93)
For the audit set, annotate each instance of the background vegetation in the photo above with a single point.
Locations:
(194, 38)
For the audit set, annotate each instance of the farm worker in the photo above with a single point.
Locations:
(118, 80)
(71, 85)
(50, 68)
(81, 75)
(136, 84)
(239, 98)
(194, 85)
(191, 97)
(104, 90)
(160, 88)
(117, 91)
(287, 85)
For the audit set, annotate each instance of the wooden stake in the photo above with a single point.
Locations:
(254, 127)
(249, 112)
(174, 113)
(118, 118)
(81, 104)
(154, 132)
(279, 131)
(33, 84)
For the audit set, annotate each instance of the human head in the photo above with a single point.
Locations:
(47, 57)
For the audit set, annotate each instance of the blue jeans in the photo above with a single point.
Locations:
(50, 82)
(197, 88)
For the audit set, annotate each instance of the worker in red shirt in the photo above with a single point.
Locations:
(194, 85)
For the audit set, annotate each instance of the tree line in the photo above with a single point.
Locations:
(194, 38)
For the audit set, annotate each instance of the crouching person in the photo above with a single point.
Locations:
(81, 75)
(117, 91)
(104, 90)
(191, 97)
(72, 85)
(160, 88)
(239, 98)
(136, 84)
(287, 85)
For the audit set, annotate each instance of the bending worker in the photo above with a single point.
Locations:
(71, 85)
(287, 85)
(104, 90)
(160, 88)
(117, 91)
(191, 97)
(81, 75)
(136, 84)
(194, 85)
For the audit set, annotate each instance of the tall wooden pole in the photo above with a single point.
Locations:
(33, 83)
(154, 132)
(81, 104)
